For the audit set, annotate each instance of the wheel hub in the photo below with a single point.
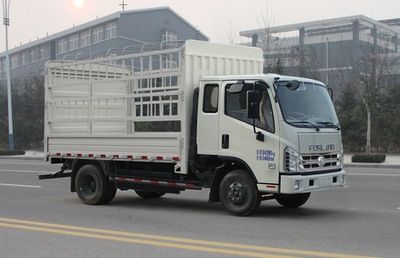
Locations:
(237, 193)
(88, 185)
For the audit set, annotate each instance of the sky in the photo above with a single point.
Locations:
(221, 20)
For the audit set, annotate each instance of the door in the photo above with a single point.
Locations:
(208, 115)
(261, 156)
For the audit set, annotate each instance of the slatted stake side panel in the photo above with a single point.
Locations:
(118, 96)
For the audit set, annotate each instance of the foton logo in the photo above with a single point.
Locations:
(327, 147)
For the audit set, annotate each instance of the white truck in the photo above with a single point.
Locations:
(199, 116)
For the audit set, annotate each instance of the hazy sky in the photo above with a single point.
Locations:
(216, 18)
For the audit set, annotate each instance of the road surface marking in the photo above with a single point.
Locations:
(368, 174)
(23, 171)
(26, 186)
(165, 241)
(398, 208)
(141, 241)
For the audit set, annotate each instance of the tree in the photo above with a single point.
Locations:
(268, 43)
(368, 80)
(31, 119)
(28, 110)
(351, 120)
(231, 33)
(385, 126)
(3, 117)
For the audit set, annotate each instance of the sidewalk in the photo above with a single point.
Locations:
(29, 155)
(392, 161)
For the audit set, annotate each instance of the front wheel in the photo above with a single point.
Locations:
(292, 200)
(238, 193)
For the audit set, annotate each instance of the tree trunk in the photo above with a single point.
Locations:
(368, 145)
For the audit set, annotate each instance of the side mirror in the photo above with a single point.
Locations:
(330, 90)
(253, 104)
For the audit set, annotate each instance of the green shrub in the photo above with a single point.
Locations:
(9, 152)
(368, 158)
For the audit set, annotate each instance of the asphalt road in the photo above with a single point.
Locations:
(43, 219)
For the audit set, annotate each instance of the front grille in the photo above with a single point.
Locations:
(314, 162)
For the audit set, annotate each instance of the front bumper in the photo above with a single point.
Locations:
(292, 184)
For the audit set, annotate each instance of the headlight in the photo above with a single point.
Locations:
(291, 160)
(339, 162)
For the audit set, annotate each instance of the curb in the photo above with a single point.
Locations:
(22, 158)
(370, 165)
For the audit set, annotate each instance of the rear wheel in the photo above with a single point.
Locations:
(238, 193)
(292, 200)
(111, 193)
(149, 195)
(92, 186)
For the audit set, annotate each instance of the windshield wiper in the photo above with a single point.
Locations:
(305, 122)
(329, 124)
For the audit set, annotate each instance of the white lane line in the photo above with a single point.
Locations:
(24, 171)
(398, 208)
(368, 174)
(27, 186)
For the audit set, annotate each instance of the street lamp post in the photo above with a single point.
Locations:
(6, 22)
(327, 61)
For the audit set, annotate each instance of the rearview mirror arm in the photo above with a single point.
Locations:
(260, 135)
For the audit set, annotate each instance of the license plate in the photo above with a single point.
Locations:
(325, 181)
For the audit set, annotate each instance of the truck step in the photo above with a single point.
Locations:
(194, 185)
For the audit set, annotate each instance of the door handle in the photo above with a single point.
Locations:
(225, 141)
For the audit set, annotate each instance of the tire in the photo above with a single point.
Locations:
(110, 194)
(149, 195)
(92, 186)
(292, 200)
(238, 193)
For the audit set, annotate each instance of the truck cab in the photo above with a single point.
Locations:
(281, 130)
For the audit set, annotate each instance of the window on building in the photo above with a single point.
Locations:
(169, 38)
(43, 52)
(33, 55)
(3, 64)
(23, 59)
(62, 45)
(73, 41)
(110, 30)
(98, 34)
(85, 38)
(26, 57)
(14, 61)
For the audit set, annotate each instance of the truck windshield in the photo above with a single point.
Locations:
(309, 105)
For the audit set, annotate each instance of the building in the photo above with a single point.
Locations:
(332, 50)
(121, 32)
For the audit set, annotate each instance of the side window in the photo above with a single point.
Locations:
(210, 101)
(236, 107)
(266, 114)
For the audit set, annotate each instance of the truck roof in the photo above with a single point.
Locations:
(269, 78)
